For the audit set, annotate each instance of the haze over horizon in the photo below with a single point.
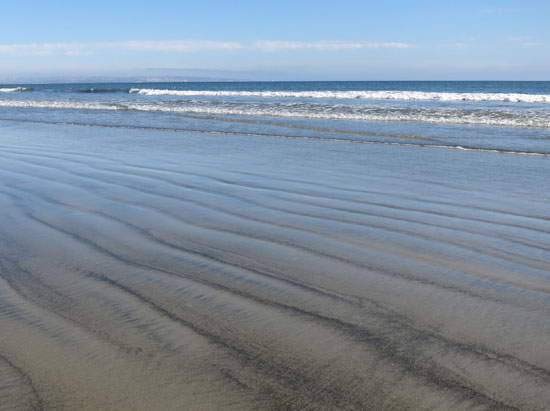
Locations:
(353, 40)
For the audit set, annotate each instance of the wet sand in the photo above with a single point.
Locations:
(147, 270)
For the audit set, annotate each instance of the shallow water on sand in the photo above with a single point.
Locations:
(151, 269)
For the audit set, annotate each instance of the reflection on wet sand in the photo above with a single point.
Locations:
(129, 284)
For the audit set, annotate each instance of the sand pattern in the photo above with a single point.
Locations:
(142, 285)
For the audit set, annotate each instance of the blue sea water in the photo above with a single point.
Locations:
(474, 115)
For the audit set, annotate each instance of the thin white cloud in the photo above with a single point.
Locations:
(496, 10)
(529, 44)
(325, 45)
(79, 52)
(36, 49)
(462, 45)
(520, 38)
(74, 49)
(526, 41)
(459, 45)
(184, 46)
(180, 46)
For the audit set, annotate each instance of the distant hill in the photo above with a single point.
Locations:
(147, 75)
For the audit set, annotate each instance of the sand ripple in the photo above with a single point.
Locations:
(128, 284)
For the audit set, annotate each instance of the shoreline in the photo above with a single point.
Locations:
(200, 272)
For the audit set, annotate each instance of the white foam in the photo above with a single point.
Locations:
(56, 104)
(368, 95)
(423, 117)
(317, 111)
(12, 89)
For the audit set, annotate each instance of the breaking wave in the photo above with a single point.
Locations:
(367, 95)
(12, 89)
(491, 117)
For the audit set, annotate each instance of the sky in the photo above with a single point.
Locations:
(277, 40)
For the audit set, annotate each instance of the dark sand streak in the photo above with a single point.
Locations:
(126, 285)
(239, 215)
(347, 210)
(324, 206)
(326, 293)
(360, 334)
(380, 269)
(351, 329)
(36, 401)
(289, 376)
(456, 290)
(386, 349)
(443, 213)
(363, 211)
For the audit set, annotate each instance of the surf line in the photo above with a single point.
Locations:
(311, 138)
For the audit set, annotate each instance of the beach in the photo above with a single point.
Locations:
(195, 271)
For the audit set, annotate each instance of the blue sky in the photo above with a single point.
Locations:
(360, 40)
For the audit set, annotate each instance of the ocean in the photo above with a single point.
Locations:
(502, 116)
(277, 246)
